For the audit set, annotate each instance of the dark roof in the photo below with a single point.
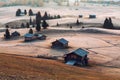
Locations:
(15, 32)
(28, 35)
(80, 52)
(63, 41)
(40, 35)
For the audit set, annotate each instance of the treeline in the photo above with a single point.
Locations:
(31, 13)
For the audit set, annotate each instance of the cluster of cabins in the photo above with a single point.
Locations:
(13, 35)
(76, 57)
(32, 37)
(28, 36)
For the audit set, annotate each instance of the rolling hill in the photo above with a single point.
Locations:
(14, 67)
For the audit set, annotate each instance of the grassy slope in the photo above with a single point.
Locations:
(24, 68)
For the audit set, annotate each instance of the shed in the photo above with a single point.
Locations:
(92, 16)
(40, 36)
(77, 57)
(29, 37)
(61, 43)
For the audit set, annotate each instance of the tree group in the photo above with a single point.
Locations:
(108, 23)
(18, 12)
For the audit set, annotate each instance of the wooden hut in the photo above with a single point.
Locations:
(29, 37)
(61, 43)
(92, 16)
(40, 36)
(77, 57)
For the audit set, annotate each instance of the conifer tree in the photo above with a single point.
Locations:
(25, 12)
(58, 16)
(57, 24)
(38, 27)
(110, 23)
(27, 25)
(22, 25)
(31, 31)
(7, 34)
(38, 21)
(30, 12)
(77, 22)
(7, 26)
(18, 12)
(45, 17)
(44, 24)
(38, 17)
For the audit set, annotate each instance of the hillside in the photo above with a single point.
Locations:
(14, 67)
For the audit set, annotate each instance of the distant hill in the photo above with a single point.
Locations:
(21, 2)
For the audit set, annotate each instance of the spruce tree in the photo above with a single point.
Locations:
(7, 34)
(110, 23)
(27, 25)
(57, 24)
(25, 12)
(22, 25)
(30, 12)
(45, 17)
(44, 24)
(106, 22)
(55, 17)
(33, 23)
(7, 26)
(38, 27)
(18, 12)
(38, 21)
(58, 16)
(38, 17)
(31, 31)
(77, 22)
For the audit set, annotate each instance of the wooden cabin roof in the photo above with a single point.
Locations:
(80, 52)
(15, 32)
(63, 41)
(41, 35)
(28, 35)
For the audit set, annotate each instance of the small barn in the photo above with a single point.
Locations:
(61, 43)
(92, 16)
(40, 36)
(15, 34)
(77, 57)
(29, 37)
